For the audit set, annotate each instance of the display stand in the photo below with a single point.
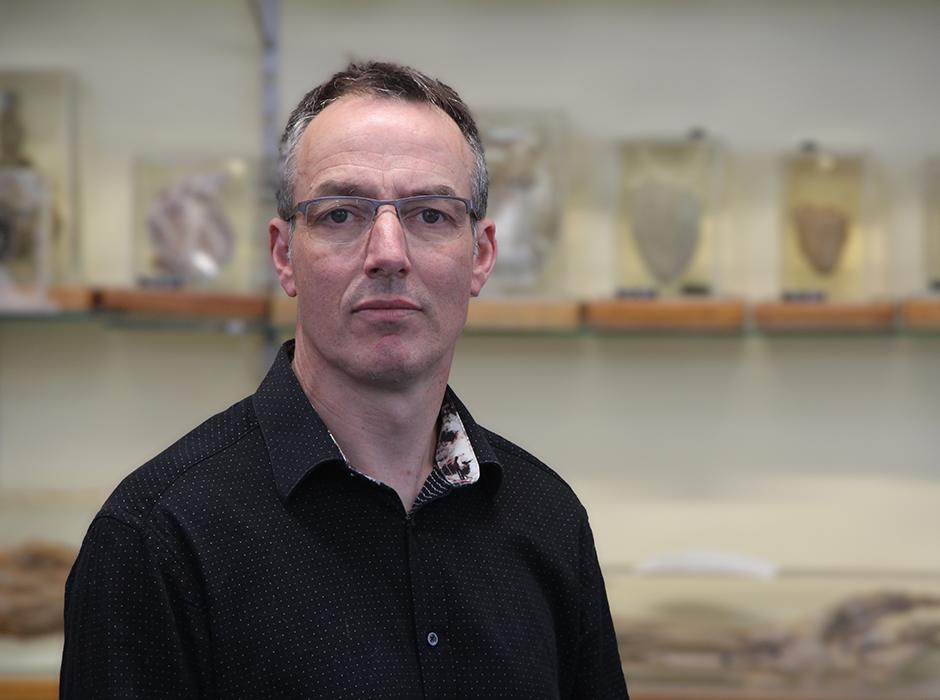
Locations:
(249, 307)
(29, 689)
(667, 233)
(827, 224)
(921, 314)
(666, 315)
(817, 317)
(523, 315)
(525, 154)
(37, 125)
(196, 223)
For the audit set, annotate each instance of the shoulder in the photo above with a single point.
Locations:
(213, 443)
(492, 447)
(521, 470)
(507, 451)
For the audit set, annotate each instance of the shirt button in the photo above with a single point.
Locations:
(432, 639)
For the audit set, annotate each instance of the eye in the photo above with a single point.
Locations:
(434, 217)
(338, 212)
(431, 216)
(338, 216)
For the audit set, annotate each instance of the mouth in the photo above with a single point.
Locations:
(386, 309)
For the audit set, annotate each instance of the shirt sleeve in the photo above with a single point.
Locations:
(132, 628)
(600, 673)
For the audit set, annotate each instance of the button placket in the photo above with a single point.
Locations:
(430, 611)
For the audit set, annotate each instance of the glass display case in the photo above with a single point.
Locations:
(197, 224)
(792, 634)
(827, 220)
(525, 151)
(667, 233)
(40, 535)
(37, 186)
(932, 223)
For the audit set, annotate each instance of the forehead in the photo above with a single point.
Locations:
(383, 145)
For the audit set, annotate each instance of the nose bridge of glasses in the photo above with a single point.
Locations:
(391, 207)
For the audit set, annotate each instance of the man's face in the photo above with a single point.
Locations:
(387, 309)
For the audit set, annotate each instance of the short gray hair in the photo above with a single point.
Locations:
(387, 81)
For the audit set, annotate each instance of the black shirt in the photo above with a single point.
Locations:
(249, 561)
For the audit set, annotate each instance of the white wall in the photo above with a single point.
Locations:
(816, 452)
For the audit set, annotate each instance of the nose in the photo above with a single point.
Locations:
(386, 246)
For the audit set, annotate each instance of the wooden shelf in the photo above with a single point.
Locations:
(48, 689)
(816, 317)
(29, 688)
(694, 315)
(172, 302)
(523, 315)
(488, 315)
(640, 692)
(283, 310)
(72, 298)
(507, 315)
(921, 314)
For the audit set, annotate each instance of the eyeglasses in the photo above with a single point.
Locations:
(343, 220)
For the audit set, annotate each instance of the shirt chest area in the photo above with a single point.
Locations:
(341, 584)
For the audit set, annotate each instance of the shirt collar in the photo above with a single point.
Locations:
(455, 458)
(299, 442)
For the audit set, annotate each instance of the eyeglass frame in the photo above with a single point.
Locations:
(301, 207)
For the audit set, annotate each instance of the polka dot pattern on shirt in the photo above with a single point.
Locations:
(249, 561)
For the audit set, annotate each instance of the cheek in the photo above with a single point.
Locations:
(451, 281)
(447, 275)
(320, 283)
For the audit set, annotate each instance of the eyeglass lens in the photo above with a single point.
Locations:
(342, 220)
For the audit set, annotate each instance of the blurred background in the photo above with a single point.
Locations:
(819, 453)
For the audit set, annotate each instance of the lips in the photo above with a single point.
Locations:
(385, 304)
(391, 309)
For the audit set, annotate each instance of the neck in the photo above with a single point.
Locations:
(387, 433)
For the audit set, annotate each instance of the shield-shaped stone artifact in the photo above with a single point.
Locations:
(666, 225)
(822, 232)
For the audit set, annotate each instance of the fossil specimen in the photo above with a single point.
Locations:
(22, 194)
(188, 229)
(21, 187)
(869, 639)
(522, 193)
(822, 232)
(666, 225)
(32, 588)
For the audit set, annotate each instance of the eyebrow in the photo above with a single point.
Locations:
(441, 190)
(337, 188)
(341, 188)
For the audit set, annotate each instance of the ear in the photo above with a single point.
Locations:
(279, 231)
(485, 256)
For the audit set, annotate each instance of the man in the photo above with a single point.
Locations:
(349, 531)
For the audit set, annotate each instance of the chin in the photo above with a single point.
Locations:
(390, 376)
(396, 370)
